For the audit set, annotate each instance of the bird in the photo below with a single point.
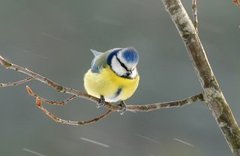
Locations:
(113, 76)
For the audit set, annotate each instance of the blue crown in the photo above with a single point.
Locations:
(130, 55)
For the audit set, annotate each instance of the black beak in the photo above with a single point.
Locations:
(129, 72)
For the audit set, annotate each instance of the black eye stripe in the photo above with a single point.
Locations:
(122, 64)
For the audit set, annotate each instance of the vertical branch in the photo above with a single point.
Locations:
(195, 14)
(213, 95)
(237, 2)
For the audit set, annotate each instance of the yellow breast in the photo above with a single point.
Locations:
(113, 87)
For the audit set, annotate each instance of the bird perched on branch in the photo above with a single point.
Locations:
(113, 75)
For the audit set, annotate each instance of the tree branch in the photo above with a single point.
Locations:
(16, 83)
(132, 108)
(195, 14)
(76, 93)
(213, 95)
(70, 122)
(50, 102)
(164, 105)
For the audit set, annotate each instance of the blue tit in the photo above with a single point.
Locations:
(113, 75)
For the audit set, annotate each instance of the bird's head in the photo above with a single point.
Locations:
(123, 61)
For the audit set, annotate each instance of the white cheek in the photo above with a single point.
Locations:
(134, 73)
(117, 68)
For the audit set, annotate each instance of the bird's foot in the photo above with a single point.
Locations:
(101, 102)
(123, 106)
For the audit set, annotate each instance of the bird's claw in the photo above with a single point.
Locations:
(123, 107)
(101, 102)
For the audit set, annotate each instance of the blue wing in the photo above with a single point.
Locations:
(98, 61)
(102, 59)
(95, 52)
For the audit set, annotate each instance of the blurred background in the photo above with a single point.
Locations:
(53, 38)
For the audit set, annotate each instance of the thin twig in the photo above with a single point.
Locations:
(70, 122)
(110, 106)
(40, 100)
(51, 102)
(8, 65)
(16, 83)
(195, 14)
(131, 108)
(164, 105)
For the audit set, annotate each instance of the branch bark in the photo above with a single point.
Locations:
(133, 108)
(195, 14)
(213, 95)
(16, 83)
(76, 93)
(70, 122)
